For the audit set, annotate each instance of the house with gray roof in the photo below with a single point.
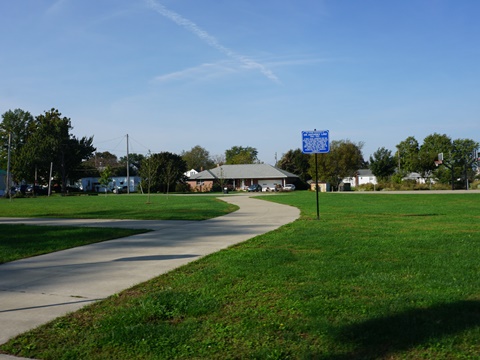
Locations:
(240, 177)
(364, 176)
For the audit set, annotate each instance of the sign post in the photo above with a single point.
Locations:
(316, 142)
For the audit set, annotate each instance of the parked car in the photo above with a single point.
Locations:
(120, 190)
(36, 190)
(289, 187)
(73, 189)
(274, 188)
(254, 188)
(19, 189)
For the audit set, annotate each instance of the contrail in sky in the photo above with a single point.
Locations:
(210, 40)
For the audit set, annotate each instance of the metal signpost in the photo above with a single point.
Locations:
(316, 142)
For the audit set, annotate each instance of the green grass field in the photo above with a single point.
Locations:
(377, 277)
(133, 206)
(23, 241)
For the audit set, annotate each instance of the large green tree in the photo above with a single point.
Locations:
(163, 171)
(432, 145)
(343, 160)
(466, 152)
(458, 163)
(50, 143)
(382, 164)
(408, 156)
(241, 155)
(101, 159)
(296, 162)
(148, 172)
(15, 129)
(197, 158)
(457, 168)
(134, 160)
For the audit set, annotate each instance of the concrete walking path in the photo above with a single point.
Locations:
(37, 290)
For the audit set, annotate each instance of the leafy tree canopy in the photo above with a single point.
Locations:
(432, 145)
(105, 177)
(296, 162)
(241, 155)
(162, 171)
(343, 160)
(197, 158)
(382, 164)
(148, 172)
(15, 125)
(47, 141)
(407, 155)
(135, 162)
(458, 158)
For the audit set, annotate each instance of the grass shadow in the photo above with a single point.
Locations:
(381, 337)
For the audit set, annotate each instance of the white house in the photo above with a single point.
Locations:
(362, 177)
(365, 176)
(417, 177)
(118, 182)
(189, 173)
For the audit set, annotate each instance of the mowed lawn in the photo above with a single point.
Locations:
(21, 241)
(379, 276)
(132, 206)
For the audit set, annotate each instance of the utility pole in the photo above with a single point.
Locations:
(128, 170)
(9, 191)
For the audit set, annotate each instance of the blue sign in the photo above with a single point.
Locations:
(315, 142)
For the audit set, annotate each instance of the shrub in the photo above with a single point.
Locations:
(439, 186)
(397, 178)
(182, 188)
(475, 185)
(216, 187)
(402, 186)
(368, 187)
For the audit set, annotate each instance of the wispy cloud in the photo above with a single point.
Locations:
(211, 40)
(56, 7)
(208, 70)
(301, 61)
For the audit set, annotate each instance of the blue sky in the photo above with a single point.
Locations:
(178, 73)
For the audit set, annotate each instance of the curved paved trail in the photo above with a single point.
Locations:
(36, 290)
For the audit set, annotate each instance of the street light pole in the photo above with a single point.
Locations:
(8, 166)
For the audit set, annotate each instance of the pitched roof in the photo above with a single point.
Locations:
(365, 172)
(243, 171)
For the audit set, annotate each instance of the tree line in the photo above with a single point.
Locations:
(43, 147)
(438, 158)
(37, 149)
(458, 167)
